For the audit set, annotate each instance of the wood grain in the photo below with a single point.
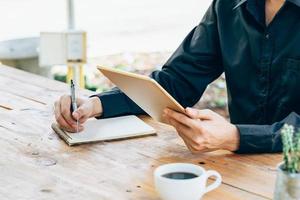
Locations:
(36, 164)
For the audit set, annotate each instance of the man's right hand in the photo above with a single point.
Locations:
(87, 108)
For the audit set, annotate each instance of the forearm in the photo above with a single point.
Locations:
(264, 138)
(115, 103)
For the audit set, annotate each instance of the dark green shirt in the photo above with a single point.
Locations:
(261, 64)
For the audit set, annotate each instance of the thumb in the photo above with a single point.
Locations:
(199, 114)
(79, 113)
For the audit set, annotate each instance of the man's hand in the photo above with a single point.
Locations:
(87, 108)
(203, 130)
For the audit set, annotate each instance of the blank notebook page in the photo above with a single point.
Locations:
(107, 129)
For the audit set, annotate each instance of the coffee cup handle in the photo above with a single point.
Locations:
(215, 184)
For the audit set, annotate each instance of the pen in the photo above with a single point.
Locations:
(73, 101)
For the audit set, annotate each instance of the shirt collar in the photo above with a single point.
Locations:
(241, 2)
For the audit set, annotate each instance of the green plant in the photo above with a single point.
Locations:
(291, 149)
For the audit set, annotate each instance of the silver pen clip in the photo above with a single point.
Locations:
(73, 102)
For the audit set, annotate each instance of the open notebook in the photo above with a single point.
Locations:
(107, 129)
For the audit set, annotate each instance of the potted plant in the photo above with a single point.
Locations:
(288, 175)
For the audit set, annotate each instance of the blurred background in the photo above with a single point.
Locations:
(136, 35)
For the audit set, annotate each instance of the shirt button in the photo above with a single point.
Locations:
(267, 36)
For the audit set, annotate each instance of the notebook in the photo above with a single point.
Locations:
(106, 130)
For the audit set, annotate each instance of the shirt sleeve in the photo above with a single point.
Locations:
(185, 76)
(264, 138)
(116, 103)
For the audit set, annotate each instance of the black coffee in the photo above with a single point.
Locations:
(180, 175)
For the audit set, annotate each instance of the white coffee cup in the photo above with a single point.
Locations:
(184, 189)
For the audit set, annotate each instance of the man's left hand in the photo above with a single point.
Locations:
(203, 130)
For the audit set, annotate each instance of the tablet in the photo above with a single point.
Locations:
(144, 91)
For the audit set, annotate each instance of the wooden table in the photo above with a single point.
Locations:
(36, 164)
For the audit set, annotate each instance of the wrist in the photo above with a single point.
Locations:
(234, 139)
(97, 107)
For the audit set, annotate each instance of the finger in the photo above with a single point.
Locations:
(186, 134)
(191, 142)
(193, 146)
(180, 128)
(190, 146)
(185, 139)
(65, 105)
(189, 139)
(187, 143)
(166, 119)
(74, 130)
(81, 114)
(83, 120)
(60, 119)
(180, 117)
(79, 102)
(205, 114)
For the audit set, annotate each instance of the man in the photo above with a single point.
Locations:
(256, 43)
